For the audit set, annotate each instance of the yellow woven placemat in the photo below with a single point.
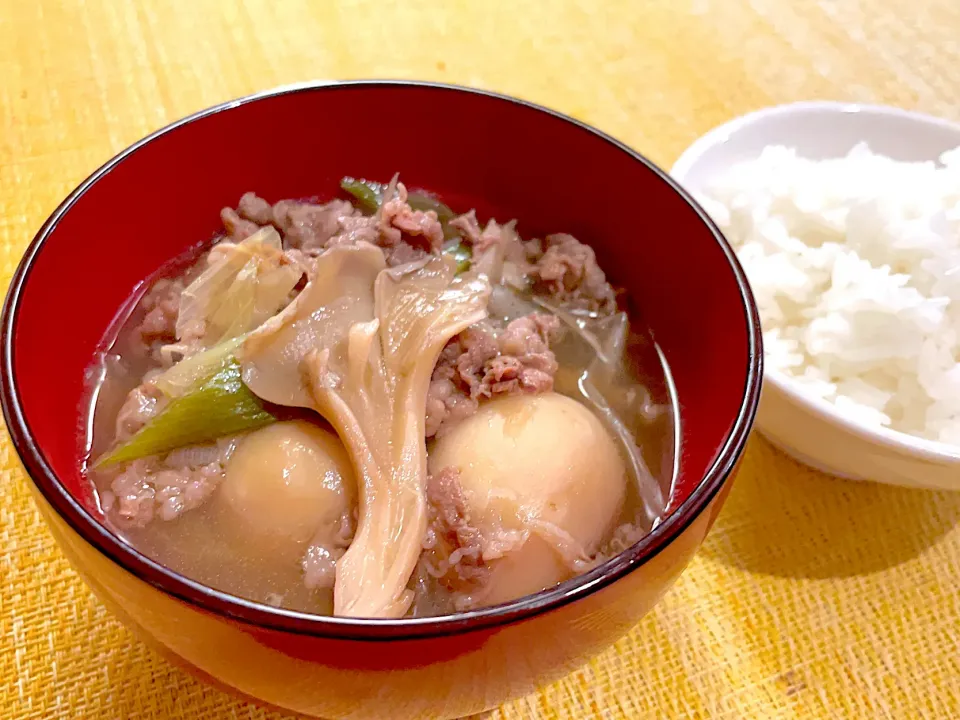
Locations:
(812, 597)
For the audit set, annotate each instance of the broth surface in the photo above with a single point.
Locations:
(204, 544)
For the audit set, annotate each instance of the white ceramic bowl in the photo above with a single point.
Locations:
(809, 428)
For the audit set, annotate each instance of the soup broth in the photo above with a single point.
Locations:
(513, 426)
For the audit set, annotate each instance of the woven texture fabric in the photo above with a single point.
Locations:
(812, 597)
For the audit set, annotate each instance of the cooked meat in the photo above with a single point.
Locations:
(568, 273)
(434, 536)
(254, 208)
(320, 561)
(402, 253)
(404, 234)
(468, 226)
(143, 403)
(130, 497)
(491, 235)
(148, 488)
(480, 363)
(358, 228)
(561, 267)
(304, 225)
(446, 404)
(526, 363)
(490, 249)
(457, 555)
(308, 226)
(498, 250)
(622, 537)
(237, 227)
(475, 347)
(455, 385)
(161, 305)
(401, 223)
(453, 549)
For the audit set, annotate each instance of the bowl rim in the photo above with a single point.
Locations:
(256, 614)
(823, 410)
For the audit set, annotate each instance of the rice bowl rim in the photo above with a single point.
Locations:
(824, 410)
(932, 450)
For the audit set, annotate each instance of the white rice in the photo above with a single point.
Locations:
(855, 264)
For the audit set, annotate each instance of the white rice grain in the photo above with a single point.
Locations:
(855, 264)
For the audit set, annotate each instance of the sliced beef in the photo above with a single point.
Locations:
(491, 235)
(447, 404)
(148, 488)
(309, 226)
(525, 363)
(130, 498)
(404, 234)
(453, 548)
(320, 560)
(237, 227)
(399, 224)
(458, 556)
(482, 363)
(142, 404)
(560, 268)
(402, 253)
(489, 251)
(455, 387)
(357, 228)
(468, 226)
(369, 229)
(568, 273)
(498, 250)
(255, 209)
(161, 306)
(623, 536)
(303, 225)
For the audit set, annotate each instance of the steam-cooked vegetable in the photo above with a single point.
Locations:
(184, 375)
(422, 201)
(289, 485)
(359, 345)
(461, 254)
(604, 386)
(595, 369)
(506, 354)
(369, 196)
(243, 285)
(220, 405)
(542, 467)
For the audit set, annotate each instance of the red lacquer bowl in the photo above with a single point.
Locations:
(507, 158)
